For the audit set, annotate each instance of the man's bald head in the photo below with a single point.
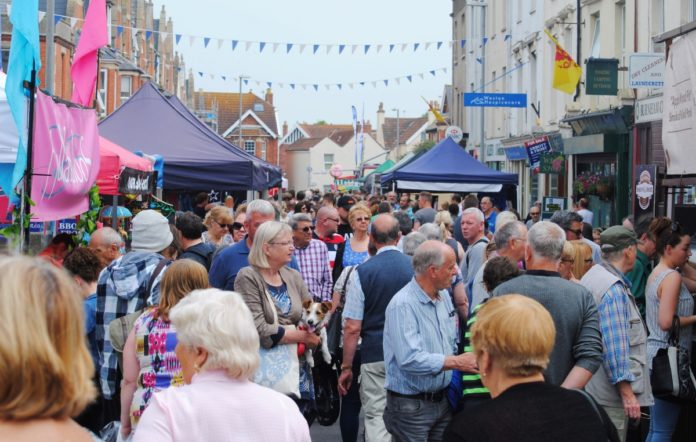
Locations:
(385, 230)
(327, 221)
(107, 243)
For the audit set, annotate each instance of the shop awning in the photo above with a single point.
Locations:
(116, 161)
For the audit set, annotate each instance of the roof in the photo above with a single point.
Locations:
(303, 144)
(407, 128)
(108, 54)
(324, 130)
(342, 137)
(228, 108)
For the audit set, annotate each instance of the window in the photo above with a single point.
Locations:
(126, 87)
(594, 53)
(258, 107)
(328, 160)
(101, 93)
(250, 146)
(263, 150)
(4, 58)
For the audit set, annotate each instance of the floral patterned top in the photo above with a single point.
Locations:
(225, 241)
(155, 341)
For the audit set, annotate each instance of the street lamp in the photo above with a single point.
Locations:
(482, 4)
(241, 78)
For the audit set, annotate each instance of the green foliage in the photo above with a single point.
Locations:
(88, 220)
(321, 123)
(424, 146)
(15, 230)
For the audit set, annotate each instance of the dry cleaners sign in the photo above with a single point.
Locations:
(646, 71)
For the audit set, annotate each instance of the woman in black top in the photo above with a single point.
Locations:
(512, 339)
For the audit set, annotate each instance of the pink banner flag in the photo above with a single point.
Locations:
(84, 67)
(65, 159)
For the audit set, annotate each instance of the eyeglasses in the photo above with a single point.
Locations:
(237, 226)
(306, 229)
(284, 243)
(569, 261)
(577, 233)
(534, 213)
(362, 219)
(224, 226)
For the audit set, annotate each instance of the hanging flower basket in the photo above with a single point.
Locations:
(594, 184)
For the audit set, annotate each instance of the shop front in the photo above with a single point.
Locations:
(599, 162)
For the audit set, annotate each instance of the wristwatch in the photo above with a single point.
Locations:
(346, 367)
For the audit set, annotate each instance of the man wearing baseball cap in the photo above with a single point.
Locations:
(343, 205)
(622, 383)
(130, 283)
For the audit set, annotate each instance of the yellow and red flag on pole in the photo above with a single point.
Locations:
(436, 113)
(566, 72)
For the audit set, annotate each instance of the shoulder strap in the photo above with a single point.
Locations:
(208, 258)
(483, 239)
(596, 410)
(155, 273)
(345, 284)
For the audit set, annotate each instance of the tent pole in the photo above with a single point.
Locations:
(114, 212)
(26, 213)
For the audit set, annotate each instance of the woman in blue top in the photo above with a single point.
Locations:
(666, 296)
(354, 250)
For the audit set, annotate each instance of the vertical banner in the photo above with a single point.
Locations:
(355, 133)
(66, 159)
(644, 191)
(679, 115)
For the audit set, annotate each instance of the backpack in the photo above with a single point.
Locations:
(207, 257)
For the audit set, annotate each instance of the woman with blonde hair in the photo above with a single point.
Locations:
(149, 362)
(45, 367)
(583, 258)
(512, 339)
(218, 349)
(218, 221)
(354, 250)
(274, 293)
(565, 267)
(443, 220)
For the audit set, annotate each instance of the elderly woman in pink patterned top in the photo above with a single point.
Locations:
(218, 349)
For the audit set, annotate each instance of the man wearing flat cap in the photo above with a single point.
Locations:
(622, 383)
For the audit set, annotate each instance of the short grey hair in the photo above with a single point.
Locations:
(412, 241)
(262, 207)
(427, 256)
(266, 233)
(476, 211)
(221, 323)
(546, 240)
(503, 218)
(109, 236)
(431, 231)
(504, 234)
(297, 218)
(565, 218)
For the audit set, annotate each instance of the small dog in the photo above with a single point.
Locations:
(315, 317)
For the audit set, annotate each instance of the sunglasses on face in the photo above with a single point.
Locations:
(362, 219)
(224, 226)
(305, 229)
(236, 226)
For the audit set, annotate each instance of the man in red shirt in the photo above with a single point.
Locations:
(325, 230)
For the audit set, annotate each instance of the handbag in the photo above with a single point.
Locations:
(671, 373)
(279, 367)
(334, 328)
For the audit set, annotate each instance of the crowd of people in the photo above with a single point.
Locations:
(467, 323)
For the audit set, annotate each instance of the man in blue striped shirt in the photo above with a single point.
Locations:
(419, 348)
(622, 383)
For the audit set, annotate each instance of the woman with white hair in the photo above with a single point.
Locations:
(218, 349)
(274, 293)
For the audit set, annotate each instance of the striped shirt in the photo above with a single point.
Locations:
(419, 333)
(657, 338)
(472, 387)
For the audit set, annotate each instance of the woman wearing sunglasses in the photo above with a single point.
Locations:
(354, 250)
(217, 221)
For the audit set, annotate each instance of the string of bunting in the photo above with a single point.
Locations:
(291, 47)
(328, 86)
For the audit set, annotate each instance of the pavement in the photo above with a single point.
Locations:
(319, 433)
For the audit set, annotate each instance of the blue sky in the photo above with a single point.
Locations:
(321, 22)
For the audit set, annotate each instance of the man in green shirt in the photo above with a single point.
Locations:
(643, 266)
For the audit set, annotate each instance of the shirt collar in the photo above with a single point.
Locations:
(386, 249)
(613, 270)
(422, 296)
(542, 273)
